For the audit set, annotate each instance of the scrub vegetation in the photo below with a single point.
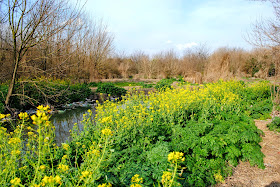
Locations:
(188, 136)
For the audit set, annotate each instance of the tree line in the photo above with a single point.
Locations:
(58, 39)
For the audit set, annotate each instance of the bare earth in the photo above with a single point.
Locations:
(246, 175)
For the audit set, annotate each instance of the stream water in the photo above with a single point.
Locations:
(65, 120)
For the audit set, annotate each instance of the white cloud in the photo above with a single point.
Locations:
(169, 42)
(186, 45)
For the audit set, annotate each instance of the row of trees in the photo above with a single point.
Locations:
(56, 38)
(50, 38)
(196, 65)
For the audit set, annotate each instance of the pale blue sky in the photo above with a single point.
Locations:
(157, 25)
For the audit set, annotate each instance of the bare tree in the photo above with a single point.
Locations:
(32, 22)
(99, 47)
(266, 33)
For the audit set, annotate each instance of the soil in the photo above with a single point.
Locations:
(249, 176)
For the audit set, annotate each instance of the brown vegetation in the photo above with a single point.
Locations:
(52, 38)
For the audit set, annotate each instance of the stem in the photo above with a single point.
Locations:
(173, 175)
(100, 160)
(39, 159)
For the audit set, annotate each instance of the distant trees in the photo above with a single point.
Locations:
(266, 34)
(49, 38)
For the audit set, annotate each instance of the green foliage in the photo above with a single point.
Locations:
(275, 124)
(92, 84)
(145, 85)
(35, 92)
(163, 84)
(252, 66)
(111, 89)
(3, 93)
(212, 124)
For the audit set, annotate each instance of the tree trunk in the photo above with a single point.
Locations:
(11, 87)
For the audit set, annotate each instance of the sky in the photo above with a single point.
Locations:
(153, 26)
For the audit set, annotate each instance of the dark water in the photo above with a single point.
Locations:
(64, 122)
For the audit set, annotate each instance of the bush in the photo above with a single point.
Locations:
(53, 92)
(111, 89)
(275, 124)
(3, 93)
(163, 84)
(93, 84)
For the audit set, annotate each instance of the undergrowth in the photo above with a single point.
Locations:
(190, 136)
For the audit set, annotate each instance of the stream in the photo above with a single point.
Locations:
(65, 120)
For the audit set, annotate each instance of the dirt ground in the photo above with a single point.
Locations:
(246, 175)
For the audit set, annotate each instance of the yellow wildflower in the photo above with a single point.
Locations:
(136, 178)
(15, 181)
(78, 143)
(43, 167)
(14, 141)
(63, 167)
(166, 177)
(65, 146)
(40, 107)
(136, 185)
(218, 177)
(85, 174)
(176, 156)
(57, 179)
(106, 132)
(15, 152)
(30, 133)
(64, 157)
(51, 179)
(2, 116)
(23, 115)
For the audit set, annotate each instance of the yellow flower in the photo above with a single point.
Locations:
(23, 115)
(36, 185)
(106, 132)
(15, 152)
(136, 178)
(218, 177)
(22, 168)
(85, 174)
(166, 177)
(15, 181)
(43, 167)
(63, 167)
(105, 185)
(136, 185)
(57, 179)
(40, 107)
(176, 156)
(65, 146)
(30, 133)
(33, 117)
(64, 157)
(51, 179)
(2, 116)
(14, 141)
(78, 143)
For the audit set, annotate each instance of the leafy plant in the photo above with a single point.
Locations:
(275, 124)
(110, 88)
